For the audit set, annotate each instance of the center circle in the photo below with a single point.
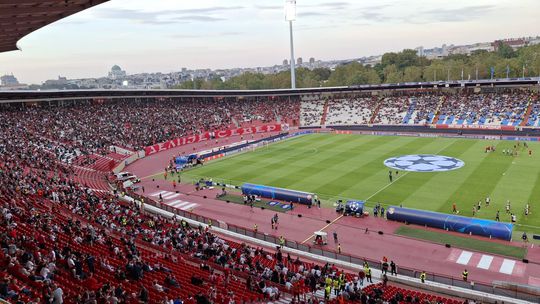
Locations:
(424, 163)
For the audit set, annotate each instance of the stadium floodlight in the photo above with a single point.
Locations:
(290, 10)
(290, 16)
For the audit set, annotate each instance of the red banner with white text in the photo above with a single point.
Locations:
(209, 135)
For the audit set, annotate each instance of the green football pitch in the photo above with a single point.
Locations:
(351, 167)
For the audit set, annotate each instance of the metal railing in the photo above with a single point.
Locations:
(406, 271)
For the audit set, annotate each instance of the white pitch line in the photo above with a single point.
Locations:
(390, 184)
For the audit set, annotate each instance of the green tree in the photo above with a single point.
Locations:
(412, 74)
(505, 51)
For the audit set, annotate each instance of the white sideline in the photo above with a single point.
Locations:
(431, 286)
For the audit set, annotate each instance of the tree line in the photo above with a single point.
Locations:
(404, 66)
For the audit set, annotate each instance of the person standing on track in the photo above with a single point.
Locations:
(393, 268)
(390, 176)
(465, 275)
(368, 275)
(384, 267)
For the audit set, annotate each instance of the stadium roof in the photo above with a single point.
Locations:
(19, 18)
(13, 96)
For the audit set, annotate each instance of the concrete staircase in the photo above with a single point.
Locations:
(375, 112)
(438, 110)
(325, 113)
(527, 113)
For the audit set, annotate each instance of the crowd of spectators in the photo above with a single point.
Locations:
(265, 109)
(506, 108)
(423, 109)
(350, 111)
(92, 126)
(534, 117)
(62, 242)
(392, 110)
(311, 109)
(486, 109)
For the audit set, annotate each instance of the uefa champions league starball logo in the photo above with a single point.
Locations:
(424, 163)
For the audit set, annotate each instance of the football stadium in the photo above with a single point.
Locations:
(386, 192)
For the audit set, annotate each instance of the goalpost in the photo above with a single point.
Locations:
(264, 146)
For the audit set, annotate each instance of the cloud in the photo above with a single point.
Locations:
(311, 14)
(457, 14)
(330, 5)
(208, 14)
(198, 36)
(269, 7)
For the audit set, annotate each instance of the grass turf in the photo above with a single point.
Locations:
(237, 199)
(463, 242)
(351, 167)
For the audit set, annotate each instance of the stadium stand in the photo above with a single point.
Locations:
(391, 111)
(66, 238)
(311, 109)
(492, 109)
(88, 128)
(351, 111)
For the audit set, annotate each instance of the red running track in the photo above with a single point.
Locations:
(410, 253)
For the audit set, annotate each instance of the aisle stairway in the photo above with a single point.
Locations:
(376, 111)
(325, 113)
(525, 120)
(435, 119)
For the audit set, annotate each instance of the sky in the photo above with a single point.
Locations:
(167, 35)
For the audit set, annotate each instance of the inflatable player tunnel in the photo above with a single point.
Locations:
(451, 222)
(278, 193)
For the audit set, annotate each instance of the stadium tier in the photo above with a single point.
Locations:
(69, 235)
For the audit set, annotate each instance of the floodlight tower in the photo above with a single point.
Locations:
(290, 15)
